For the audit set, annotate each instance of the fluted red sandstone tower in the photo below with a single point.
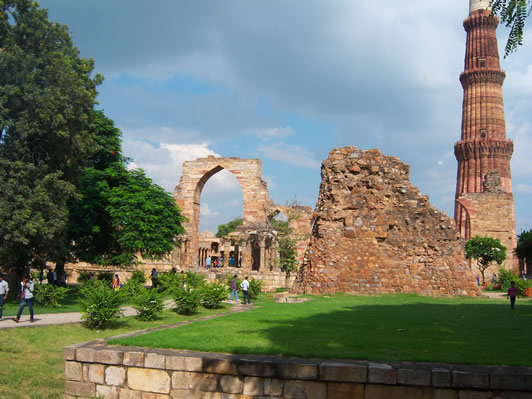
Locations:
(484, 200)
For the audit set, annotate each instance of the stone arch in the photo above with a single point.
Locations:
(248, 172)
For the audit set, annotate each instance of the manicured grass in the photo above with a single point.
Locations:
(383, 328)
(31, 360)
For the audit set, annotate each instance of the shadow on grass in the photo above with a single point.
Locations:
(480, 333)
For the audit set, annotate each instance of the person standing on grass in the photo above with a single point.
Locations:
(4, 289)
(512, 294)
(234, 289)
(245, 290)
(26, 297)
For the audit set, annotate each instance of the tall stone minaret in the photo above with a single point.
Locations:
(484, 200)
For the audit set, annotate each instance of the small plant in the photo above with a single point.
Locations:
(99, 304)
(506, 276)
(195, 280)
(84, 276)
(49, 295)
(254, 288)
(187, 300)
(212, 294)
(106, 277)
(148, 303)
(138, 277)
(169, 282)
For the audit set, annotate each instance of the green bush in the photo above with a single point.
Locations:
(187, 300)
(170, 282)
(506, 276)
(83, 277)
(138, 277)
(212, 294)
(254, 288)
(195, 280)
(148, 303)
(106, 277)
(49, 295)
(99, 303)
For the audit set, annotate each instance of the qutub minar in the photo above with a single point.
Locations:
(484, 200)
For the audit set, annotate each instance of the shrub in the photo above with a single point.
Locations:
(138, 277)
(212, 294)
(106, 277)
(169, 282)
(254, 288)
(83, 277)
(99, 303)
(49, 295)
(506, 276)
(148, 303)
(187, 300)
(195, 280)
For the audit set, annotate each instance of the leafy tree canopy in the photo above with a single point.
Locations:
(524, 245)
(513, 14)
(227, 228)
(120, 213)
(485, 250)
(47, 92)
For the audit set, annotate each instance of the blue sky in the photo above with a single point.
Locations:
(288, 81)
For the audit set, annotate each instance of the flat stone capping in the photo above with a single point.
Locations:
(97, 369)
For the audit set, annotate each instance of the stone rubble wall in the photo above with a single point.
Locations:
(373, 232)
(95, 369)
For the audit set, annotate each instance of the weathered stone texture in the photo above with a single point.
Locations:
(376, 233)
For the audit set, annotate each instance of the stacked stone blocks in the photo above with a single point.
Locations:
(374, 232)
(94, 369)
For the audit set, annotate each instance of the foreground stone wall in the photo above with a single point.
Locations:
(374, 232)
(95, 369)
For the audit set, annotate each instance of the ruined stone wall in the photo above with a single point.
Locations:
(374, 232)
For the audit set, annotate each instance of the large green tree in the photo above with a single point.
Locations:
(119, 213)
(229, 227)
(512, 14)
(486, 251)
(47, 93)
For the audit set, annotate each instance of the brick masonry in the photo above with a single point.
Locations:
(374, 232)
(96, 369)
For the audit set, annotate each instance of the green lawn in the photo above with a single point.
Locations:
(32, 364)
(383, 328)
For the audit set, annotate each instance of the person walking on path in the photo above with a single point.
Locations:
(245, 290)
(26, 298)
(4, 289)
(512, 294)
(154, 276)
(234, 289)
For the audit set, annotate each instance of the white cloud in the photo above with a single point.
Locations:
(275, 133)
(205, 210)
(523, 188)
(290, 154)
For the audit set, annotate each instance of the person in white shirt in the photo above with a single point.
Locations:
(26, 293)
(4, 289)
(245, 289)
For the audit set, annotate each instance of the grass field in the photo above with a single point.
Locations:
(31, 360)
(383, 328)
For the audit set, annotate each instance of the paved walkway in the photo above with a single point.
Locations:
(49, 319)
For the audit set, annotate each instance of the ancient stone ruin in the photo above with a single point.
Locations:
(374, 232)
